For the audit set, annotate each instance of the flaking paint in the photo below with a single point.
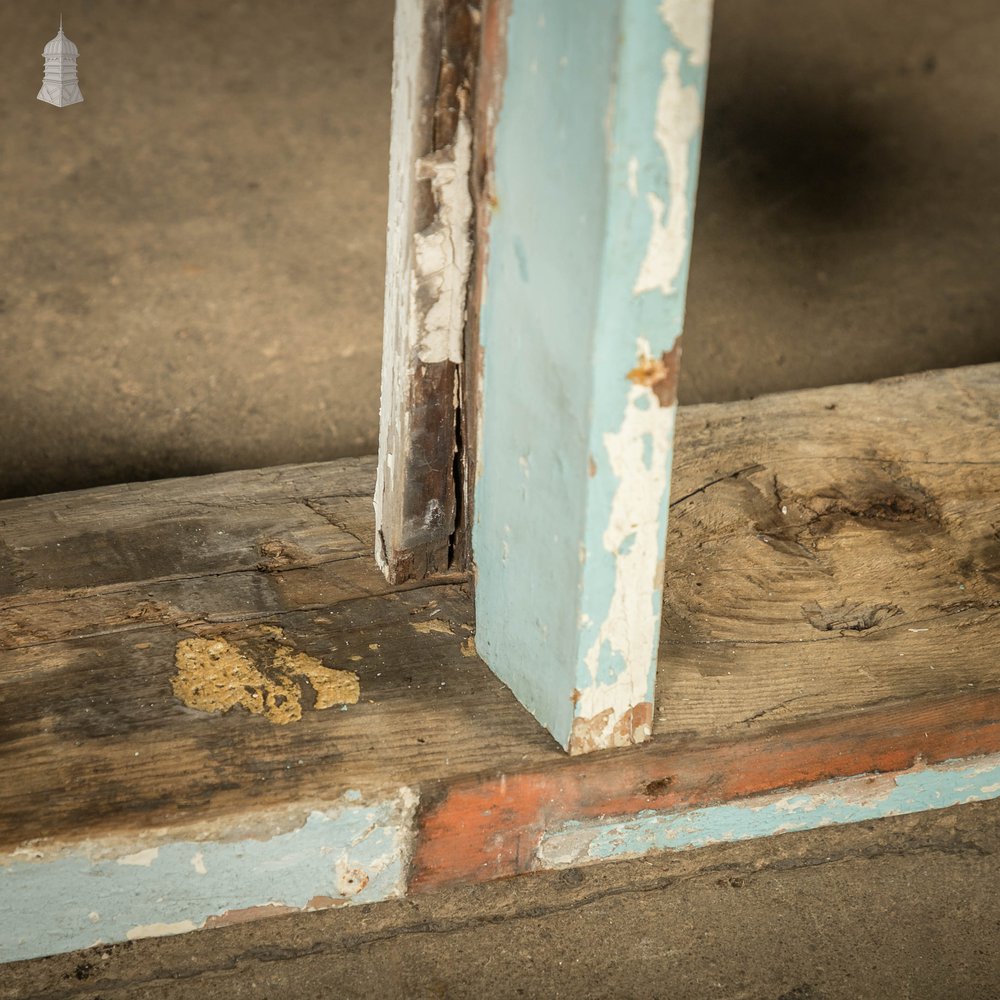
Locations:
(656, 130)
(537, 323)
(845, 800)
(59, 899)
(443, 252)
(397, 343)
(586, 281)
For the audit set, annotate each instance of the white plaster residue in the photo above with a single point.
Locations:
(404, 834)
(160, 930)
(198, 863)
(639, 457)
(144, 858)
(691, 24)
(433, 513)
(443, 252)
(678, 118)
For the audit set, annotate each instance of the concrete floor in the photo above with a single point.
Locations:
(191, 261)
(905, 907)
(191, 280)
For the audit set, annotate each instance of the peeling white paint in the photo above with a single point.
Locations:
(144, 858)
(161, 930)
(632, 537)
(633, 176)
(678, 118)
(433, 513)
(443, 252)
(691, 24)
(427, 271)
(198, 863)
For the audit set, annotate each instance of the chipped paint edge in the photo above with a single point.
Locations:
(347, 852)
(363, 852)
(655, 138)
(568, 595)
(828, 803)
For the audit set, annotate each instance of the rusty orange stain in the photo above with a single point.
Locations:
(479, 830)
(660, 374)
(634, 726)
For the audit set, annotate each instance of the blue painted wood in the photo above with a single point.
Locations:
(54, 900)
(828, 803)
(595, 167)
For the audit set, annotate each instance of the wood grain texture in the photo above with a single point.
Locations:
(832, 548)
(772, 620)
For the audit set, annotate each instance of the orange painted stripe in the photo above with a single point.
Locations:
(480, 829)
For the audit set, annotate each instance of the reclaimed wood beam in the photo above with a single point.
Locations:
(834, 604)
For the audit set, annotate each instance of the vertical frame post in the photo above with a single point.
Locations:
(585, 253)
(429, 254)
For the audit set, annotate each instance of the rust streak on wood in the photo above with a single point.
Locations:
(660, 374)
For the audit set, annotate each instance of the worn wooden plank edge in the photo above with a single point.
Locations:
(889, 761)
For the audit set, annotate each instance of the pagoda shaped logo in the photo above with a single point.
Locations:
(59, 85)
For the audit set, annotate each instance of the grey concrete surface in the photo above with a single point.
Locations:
(903, 908)
(191, 280)
(191, 261)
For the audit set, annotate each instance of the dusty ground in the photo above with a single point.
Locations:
(191, 280)
(906, 907)
(191, 260)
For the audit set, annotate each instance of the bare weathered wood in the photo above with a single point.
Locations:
(836, 547)
(833, 551)
(429, 254)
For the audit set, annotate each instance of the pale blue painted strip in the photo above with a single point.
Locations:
(658, 100)
(537, 330)
(846, 800)
(595, 170)
(71, 899)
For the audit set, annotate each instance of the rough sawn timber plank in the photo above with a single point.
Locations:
(831, 609)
